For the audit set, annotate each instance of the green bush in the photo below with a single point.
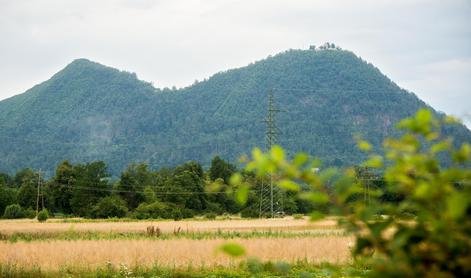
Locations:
(43, 215)
(298, 216)
(210, 216)
(425, 232)
(29, 213)
(112, 206)
(162, 210)
(153, 210)
(13, 212)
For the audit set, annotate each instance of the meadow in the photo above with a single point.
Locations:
(80, 247)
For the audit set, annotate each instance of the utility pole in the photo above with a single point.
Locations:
(37, 195)
(268, 201)
(42, 196)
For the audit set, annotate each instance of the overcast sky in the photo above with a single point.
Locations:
(422, 45)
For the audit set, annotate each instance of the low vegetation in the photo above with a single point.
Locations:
(172, 248)
(249, 268)
(43, 215)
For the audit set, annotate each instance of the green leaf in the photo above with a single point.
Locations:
(316, 197)
(457, 205)
(242, 193)
(406, 123)
(300, 159)
(364, 146)
(422, 190)
(213, 186)
(289, 185)
(375, 161)
(423, 117)
(451, 120)
(236, 179)
(257, 154)
(441, 146)
(277, 153)
(233, 249)
(462, 155)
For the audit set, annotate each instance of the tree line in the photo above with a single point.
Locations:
(88, 190)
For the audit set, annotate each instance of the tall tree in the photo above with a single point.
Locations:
(90, 186)
(61, 187)
(7, 197)
(189, 177)
(132, 184)
(27, 193)
(220, 172)
(221, 169)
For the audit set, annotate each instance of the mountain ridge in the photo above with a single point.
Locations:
(89, 111)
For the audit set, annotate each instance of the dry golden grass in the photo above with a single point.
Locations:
(182, 252)
(53, 255)
(278, 224)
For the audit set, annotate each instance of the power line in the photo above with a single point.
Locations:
(156, 192)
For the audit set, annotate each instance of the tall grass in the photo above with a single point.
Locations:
(53, 255)
(98, 235)
(30, 226)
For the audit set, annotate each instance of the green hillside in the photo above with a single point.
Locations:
(89, 112)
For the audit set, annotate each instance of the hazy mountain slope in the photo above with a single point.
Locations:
(88, 111)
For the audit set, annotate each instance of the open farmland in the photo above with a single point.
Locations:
(59, 225)
(57, 245)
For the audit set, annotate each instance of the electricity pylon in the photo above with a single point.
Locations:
(271, 198)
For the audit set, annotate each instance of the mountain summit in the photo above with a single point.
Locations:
(88, 111)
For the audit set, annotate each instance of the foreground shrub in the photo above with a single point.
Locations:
(43, 215)
(424, 233)
(14, 211)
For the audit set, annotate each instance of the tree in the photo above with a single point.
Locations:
(6, 180)
(25, 173)
(132, 183)
(13, 212)
(221, 169)
(28, 191)
(61, 187)
(91, 184)
(189, 178)
(7, 197)
(149, 195)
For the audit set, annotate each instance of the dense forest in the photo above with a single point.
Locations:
(89, 112)
(87, 190)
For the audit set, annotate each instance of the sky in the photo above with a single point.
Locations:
(422, 45)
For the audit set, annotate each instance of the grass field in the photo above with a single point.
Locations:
(51, 248)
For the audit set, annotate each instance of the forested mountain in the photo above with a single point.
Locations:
(88, 112)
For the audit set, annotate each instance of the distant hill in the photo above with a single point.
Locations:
(88, 111)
